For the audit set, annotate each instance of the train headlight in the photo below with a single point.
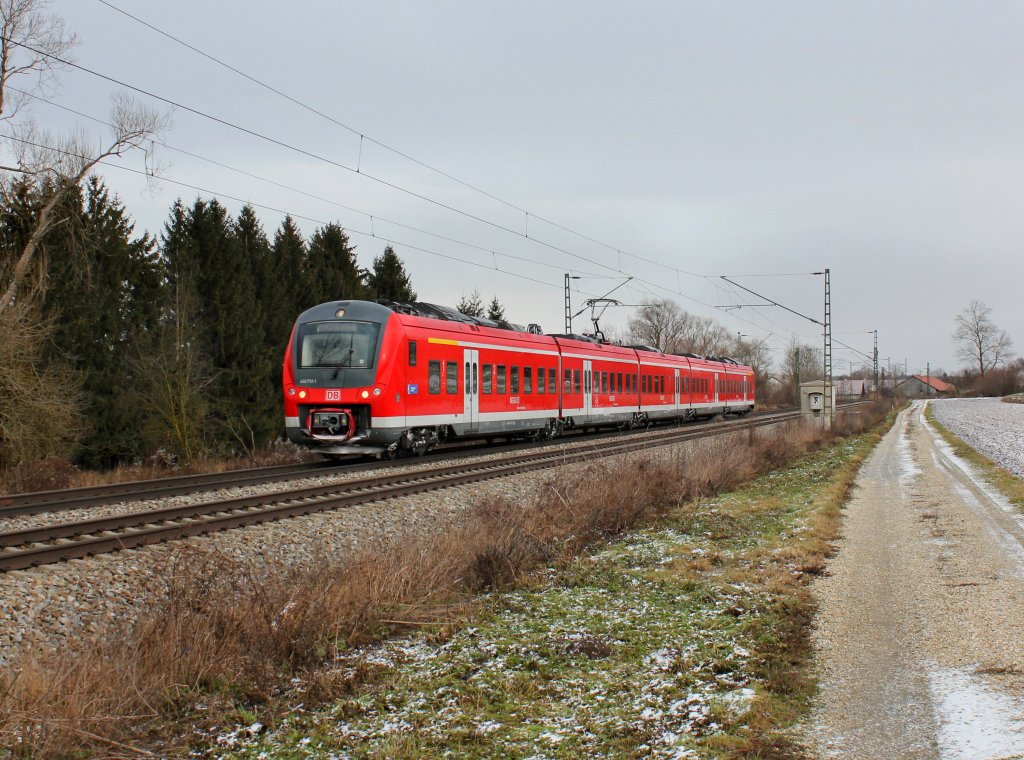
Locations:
(302, 394)
(291, 391)
(365, 394)
(376, 391)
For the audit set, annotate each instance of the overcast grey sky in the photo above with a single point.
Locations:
(882, 140)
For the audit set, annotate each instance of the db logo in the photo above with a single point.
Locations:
(334, 395)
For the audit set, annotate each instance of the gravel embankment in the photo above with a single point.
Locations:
(993, 427)
(24, 522)
(45, 608)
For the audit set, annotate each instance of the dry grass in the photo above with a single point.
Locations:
(231, 640)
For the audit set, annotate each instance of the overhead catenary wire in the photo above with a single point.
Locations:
(363, 136)
(277, 210)
(343, 166)
(314, 196)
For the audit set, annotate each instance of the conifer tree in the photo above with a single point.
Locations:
(332, 271)
(496, 311)
(388, 279)
(265, 394)
(103, 291)
(290, 289)
(472, 304)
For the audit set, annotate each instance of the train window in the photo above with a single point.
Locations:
(586, 381)
(501, 378)
(568, 381)
(412, 353)
(527, 379)
(575, 381)
(540, 380)
(467, 384)
(552, 381)
(488, 372)
(513, 380)
(434, 377)
(618, 383)
(451, 377)
(338, 345)
(661, 383)
(643, 383)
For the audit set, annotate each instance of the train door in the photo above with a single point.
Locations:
(677, 389)
(716, 388)
(588, 389)
(471, 387)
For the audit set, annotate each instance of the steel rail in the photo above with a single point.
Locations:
(60, 500)
(80, 539)
(37, 502)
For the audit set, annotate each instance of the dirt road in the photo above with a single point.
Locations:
(920, 636)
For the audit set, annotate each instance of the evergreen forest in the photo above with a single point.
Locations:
(132, 344)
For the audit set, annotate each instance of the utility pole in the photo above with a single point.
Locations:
(796, 373)
(830, 402)
(878, 390)
(568, 307)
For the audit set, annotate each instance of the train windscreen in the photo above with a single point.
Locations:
(338, 344)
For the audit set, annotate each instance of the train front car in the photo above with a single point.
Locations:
(337, 378)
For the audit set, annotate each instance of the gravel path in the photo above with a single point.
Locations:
(993, 427)
(920, 632)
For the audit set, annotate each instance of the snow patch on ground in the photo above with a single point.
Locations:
(994, 428)
(949, 460)
(975, 721)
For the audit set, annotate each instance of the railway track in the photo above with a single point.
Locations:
(30, 547)
(37, 502)
(40, 502)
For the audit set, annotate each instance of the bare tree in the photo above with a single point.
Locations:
(702, 335)
(662, 324)
(755, 354)
(174, 382)
(34, 46)
(979, 341)
(38, 402)
(657, 324)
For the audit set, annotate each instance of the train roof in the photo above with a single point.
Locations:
(379, 310)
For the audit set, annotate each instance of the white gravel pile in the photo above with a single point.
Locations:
(991, 426)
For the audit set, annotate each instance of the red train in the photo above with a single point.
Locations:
(370, 378)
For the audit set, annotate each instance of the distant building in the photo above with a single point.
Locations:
(917, 386)
(852, 389)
